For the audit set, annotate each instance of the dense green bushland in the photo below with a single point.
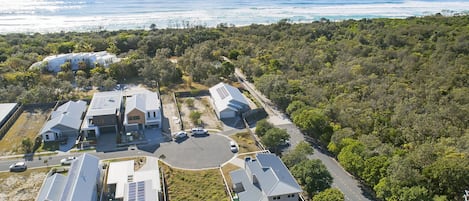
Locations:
(389, 97)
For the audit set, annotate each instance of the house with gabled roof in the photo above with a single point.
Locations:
(81, 182)
(142, 109)
(265, 178)
(64, 122)
(228, 101)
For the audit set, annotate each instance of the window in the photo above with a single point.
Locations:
(291, 195)
(134, 117)
(148, 114)
(154, 114)
(47, 137)
(276, 198)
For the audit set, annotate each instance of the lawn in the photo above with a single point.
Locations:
(28, 125)
(190, 185)
(245, 142)
(22, 185)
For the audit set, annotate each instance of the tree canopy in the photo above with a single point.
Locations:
(388, 97)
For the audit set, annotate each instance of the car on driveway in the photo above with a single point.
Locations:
(233, 147)
(180, 135)
(199, 131)
(68, 160)
(18, 167)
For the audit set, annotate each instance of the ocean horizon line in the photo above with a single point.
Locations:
(49, 16)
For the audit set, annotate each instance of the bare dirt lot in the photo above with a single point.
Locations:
(170, 116)
(22, 186)
(28, 125)
(202, 105)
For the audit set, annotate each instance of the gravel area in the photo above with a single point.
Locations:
(21, 186)
(203, 105)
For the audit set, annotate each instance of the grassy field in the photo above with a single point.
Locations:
(22, 185)
(189, 185)
(28, 125)
(245, 142)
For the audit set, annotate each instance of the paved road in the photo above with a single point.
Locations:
(192, 153)
(342, 180)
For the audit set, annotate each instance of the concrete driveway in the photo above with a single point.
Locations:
(196, 152)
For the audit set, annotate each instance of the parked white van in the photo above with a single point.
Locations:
(199, 131)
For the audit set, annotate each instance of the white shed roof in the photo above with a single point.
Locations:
(5, 109)
(227, 97)
(119, 173)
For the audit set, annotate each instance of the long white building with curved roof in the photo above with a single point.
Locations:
(54, 62)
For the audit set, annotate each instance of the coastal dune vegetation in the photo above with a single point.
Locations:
(388, 97)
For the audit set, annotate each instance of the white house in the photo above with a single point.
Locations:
(142, 109)
(127, 184)
(54, 62)
(265, 178)
(103, 115)
(64, 122)
(81, 182)
(228, 101)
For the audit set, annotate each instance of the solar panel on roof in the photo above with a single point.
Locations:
(222, 92)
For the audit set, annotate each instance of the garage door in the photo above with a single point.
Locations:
(108, 129)
(227, 114)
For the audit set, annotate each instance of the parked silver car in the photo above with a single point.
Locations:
(180, 135)
(233, 147)
(18, 167)
(68, 160)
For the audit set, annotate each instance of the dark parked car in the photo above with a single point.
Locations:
(18, 167)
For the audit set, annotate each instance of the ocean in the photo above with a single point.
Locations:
(43, 16)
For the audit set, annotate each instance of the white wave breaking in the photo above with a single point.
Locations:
(30, 18)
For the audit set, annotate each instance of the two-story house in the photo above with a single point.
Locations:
(265, 178)
(103, 115)
(142, 109)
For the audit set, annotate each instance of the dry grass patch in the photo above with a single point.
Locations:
(28, 125)
(22, 185)
(190, 185)
(202, 105)
(245, 142)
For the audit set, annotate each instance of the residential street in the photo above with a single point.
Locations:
(342, 179)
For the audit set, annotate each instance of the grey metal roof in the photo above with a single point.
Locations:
(73, 108)
(67, 115)
(105, 103)
(52, 188)
(82, 178)
(250, 192)
(273, 178)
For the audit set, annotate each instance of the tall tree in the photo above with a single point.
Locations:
(312, 175)
(330, 194)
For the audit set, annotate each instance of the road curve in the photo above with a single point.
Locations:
(342, 180)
